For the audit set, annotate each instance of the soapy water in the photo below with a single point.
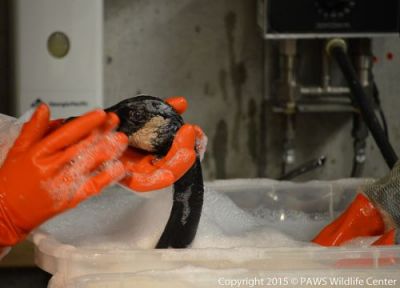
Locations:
(9, 131)
(73, 175)
(114, 219)
(68, 183)
(201, 146)
(118, 219)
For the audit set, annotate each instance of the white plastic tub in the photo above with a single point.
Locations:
(115, 267)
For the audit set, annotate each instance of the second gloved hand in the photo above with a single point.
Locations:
(146, 172)
(374, 212)
(46, 173)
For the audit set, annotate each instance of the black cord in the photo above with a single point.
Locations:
(365, 104)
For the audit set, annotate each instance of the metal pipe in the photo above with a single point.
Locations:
(360, 134)
(305, 168)
(326, 76)
(289, 91)
(324, 90)
(288, 79)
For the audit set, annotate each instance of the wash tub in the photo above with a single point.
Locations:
(88, 246)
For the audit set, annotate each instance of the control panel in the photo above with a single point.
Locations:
(328, 18)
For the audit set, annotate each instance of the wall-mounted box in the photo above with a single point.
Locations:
(59, 55)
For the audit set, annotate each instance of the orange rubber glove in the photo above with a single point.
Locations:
(361, 219)
(146, 172)
(46, 173)
(389, 238)
(374, 212)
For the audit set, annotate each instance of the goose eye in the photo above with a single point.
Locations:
(135, 115)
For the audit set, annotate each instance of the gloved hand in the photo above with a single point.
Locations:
(47, 172)
(375, 211)
(146, 172)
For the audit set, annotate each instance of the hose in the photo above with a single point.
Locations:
(337, 48)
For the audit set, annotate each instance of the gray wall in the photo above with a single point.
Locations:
(212, 53)
(208, 51)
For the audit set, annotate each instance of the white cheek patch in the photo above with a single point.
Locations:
(146, 136)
